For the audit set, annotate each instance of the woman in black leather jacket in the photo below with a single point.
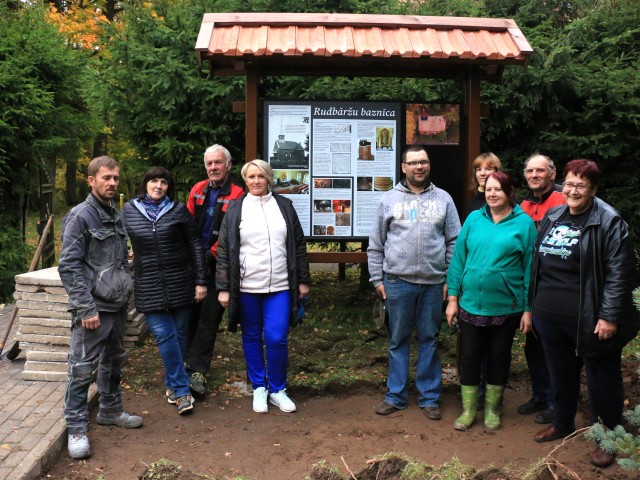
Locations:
(582, 278)
(169, 274)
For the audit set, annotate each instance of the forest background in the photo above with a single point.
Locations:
(84, 78)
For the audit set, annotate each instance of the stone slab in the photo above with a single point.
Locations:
(43, 347)
(43, 330)
(50, 307)
(45, 366)
(44, 339)
(46, 322)
(46, 277)
(43, 297)
(42, 356)
(41, 313)
(44, 376)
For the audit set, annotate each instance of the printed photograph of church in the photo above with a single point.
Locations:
(289, 154)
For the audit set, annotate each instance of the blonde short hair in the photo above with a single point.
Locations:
(264, 168)
(490, 160)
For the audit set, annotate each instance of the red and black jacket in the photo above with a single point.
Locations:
(197, 205)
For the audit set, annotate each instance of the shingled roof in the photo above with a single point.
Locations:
(312, 43)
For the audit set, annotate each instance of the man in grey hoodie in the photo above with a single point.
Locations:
(410, 248)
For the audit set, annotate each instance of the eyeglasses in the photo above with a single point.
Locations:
(580, 187)
(422, 163)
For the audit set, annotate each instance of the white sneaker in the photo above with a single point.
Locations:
(78, 445)
(260, 400)
(280, 400)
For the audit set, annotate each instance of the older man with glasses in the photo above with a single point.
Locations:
(410, 248)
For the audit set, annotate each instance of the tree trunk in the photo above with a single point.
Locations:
(71, 181)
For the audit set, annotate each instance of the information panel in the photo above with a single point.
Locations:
(334, 160)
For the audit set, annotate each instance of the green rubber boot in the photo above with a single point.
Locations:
(469, 407)
(492, 403)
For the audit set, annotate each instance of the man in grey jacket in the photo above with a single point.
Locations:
(94, 271)
(410, 248)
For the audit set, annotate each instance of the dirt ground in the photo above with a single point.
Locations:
(223, 438)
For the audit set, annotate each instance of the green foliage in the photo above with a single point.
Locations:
(13, 259)
(42, 113)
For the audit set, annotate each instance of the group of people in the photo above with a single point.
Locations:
(226, 248)
(559, 266)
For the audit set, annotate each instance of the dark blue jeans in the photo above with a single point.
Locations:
(265, 326)
(169, 328)
(604, 377)
(100, 350)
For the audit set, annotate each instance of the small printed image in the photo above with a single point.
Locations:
(382, 184)
(330, 230)
(365, 184)
(342, 206)
(384, 138)
(341, 183)
(321, 183)
(364, 150)
(319, 230)
(343, 219)
(322, 206)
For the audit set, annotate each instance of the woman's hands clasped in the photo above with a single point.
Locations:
(201, 293)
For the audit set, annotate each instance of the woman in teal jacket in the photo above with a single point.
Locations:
(488, 281)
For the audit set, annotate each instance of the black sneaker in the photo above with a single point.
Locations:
(198, 383)
(185, 404)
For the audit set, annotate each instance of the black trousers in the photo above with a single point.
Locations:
(203, 331)
(604, 377)
(495, 342)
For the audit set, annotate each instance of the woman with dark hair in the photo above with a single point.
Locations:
(581, 284)
(262, 276)
(488, 281)
(169, 274)
(484, 164)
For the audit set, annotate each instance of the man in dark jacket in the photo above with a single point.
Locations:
(208, 203)
(540, 174)
(94, 271)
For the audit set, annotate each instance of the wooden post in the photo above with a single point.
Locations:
(472, 117)
(251, 115)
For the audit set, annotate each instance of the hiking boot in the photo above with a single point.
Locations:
(122, 420)
(282, 401)
(185, 404)
(171, 396)
(385, 408)
(78, 445)
(260, 400)
(198, 383)
(432, 413)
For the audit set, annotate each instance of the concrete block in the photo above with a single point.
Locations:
(41, 313)
(47, 277)
(44, 376)
(43, 330)
(44, 356)
(43, 347)
(43, 297)
(45, 339)
(47, 322)
(45, 366)
(49, 307)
